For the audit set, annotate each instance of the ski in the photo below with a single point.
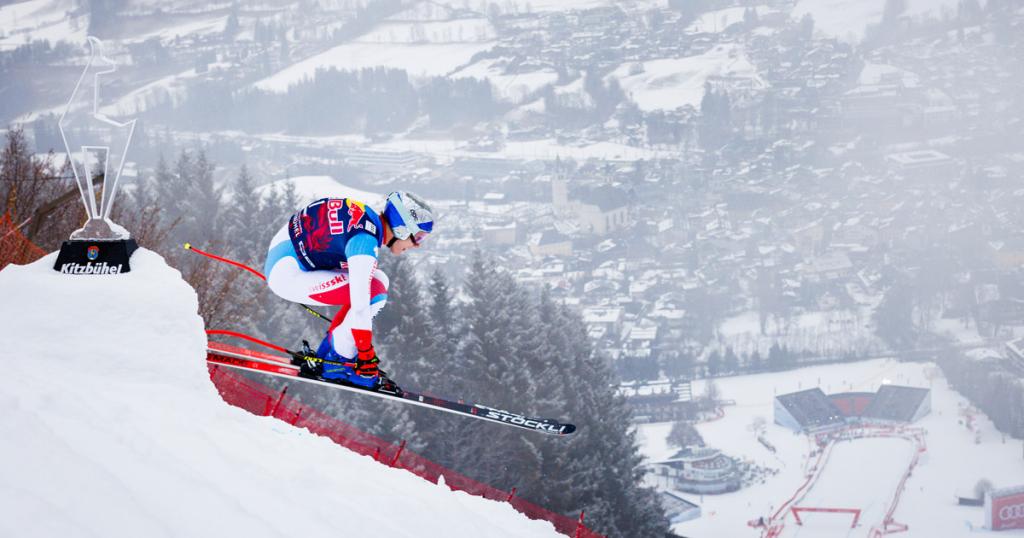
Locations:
(264, 363)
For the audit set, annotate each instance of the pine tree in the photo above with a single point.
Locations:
(714, 364)
(755, 362)
(731, 363)
(169, 191)
(240, 216)
(240, 242)
(442, 432)
(203, 196)
(491, 371)
(602, 456)
(776, 360)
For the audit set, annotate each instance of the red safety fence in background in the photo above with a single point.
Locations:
(15, 247)
(263, 400)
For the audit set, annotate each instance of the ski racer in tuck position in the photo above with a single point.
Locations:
(326, 254)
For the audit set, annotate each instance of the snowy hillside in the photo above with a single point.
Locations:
(847, 20)
(311, 188)
(670, 83)
(962, 447)
(111, 427)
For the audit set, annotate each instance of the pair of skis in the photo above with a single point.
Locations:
(280, 366)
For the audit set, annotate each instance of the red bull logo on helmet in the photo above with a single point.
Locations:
(92, 253)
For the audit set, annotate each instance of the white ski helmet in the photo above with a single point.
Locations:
(409, 216)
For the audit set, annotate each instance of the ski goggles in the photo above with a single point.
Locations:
(418, 238)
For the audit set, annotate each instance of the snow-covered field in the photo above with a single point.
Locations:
(191, 27)
(446, 150)
(420, 59)
(512, 87)
(720, 19)
(862, 473)
(444, 31)
(544, 149)
(312, 188)
(670, 83)
(21, 22)
(171, 88)
(110, 426)
(539, 6)
(832, 332)
(847, 20)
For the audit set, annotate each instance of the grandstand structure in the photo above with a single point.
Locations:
(812, 411)
(808, 411)
(898, 404)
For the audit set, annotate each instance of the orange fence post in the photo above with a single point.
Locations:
(510, 495)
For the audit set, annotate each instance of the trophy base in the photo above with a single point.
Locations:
(95, 257)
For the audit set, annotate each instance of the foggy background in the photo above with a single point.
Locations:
(712, 187)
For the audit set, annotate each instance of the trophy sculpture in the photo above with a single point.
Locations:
(96, 146)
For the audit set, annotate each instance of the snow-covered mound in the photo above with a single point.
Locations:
(311, 188)
(111, 427)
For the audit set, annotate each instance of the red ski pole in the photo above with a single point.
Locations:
(188, 246)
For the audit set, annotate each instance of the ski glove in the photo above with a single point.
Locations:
(366, 357)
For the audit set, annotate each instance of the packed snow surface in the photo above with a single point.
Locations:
(111, 427)
(669, 83)
(848, 20)
(541, 6)
(22, 22)
(720, 19)
(312, 188)
(444, 31)
(421, 59)
(862, 473)
(513, 87)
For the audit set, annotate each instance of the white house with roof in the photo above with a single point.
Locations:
(609, 319)
(549, 243)
(599, 210)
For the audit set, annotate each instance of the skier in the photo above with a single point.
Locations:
(326, 254)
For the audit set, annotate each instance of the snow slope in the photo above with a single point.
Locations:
(512, 87)
(422, 59)
(847, 20)
(312, 188)
(21, 22)
(110, 426)
(669, 83)
(862, 473)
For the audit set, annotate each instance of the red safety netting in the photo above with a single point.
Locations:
(15, 247)
(262, 400)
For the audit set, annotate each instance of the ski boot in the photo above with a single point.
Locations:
(334, 368)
